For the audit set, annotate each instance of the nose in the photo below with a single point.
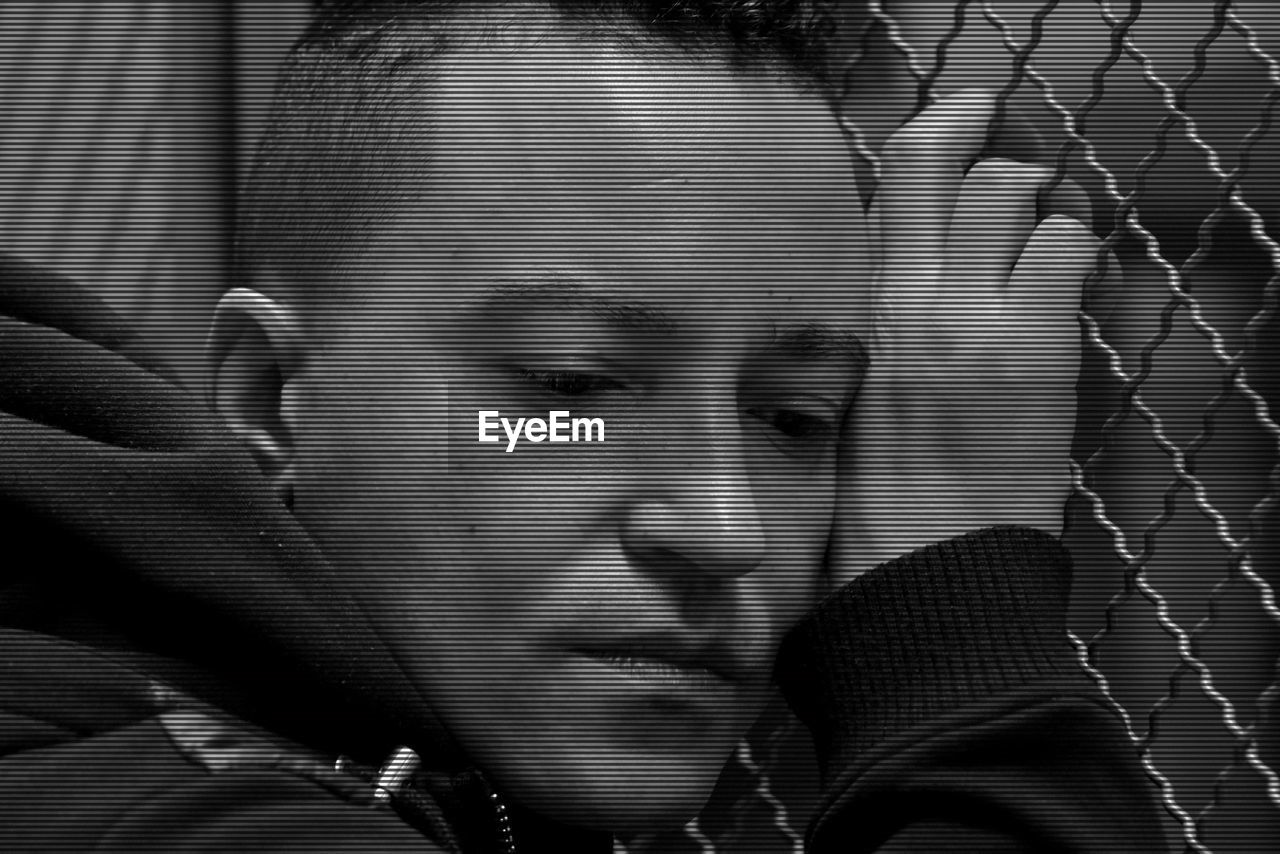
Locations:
(704, 513)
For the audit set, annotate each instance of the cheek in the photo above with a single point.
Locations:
(371, 458)
(797, 514)
(537, 502)
(795, 499)
(786, 588)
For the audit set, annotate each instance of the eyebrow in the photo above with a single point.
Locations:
(808, 342)
(818, 342)
(568, 293)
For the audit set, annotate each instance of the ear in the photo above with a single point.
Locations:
(255, 350)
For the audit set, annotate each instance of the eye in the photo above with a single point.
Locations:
(795, 424)
(569, 383)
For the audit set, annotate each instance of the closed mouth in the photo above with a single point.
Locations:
(663, 664)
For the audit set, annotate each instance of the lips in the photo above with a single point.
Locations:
(662, 674)
(668, 659)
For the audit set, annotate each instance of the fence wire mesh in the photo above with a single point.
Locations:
(1163, 112)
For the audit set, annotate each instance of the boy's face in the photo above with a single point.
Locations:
(669, 247)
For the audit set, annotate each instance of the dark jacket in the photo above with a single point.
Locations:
(177, 672)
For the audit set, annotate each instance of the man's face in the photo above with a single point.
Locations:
(672, 248)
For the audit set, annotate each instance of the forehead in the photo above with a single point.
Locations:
(679, 180)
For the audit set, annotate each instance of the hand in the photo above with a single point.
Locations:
(966, 417)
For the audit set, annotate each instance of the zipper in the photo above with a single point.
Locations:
(506, 840)
(404, 763)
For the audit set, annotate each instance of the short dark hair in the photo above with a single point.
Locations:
(346, 118)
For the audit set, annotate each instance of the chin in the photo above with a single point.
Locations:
(621, 794)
